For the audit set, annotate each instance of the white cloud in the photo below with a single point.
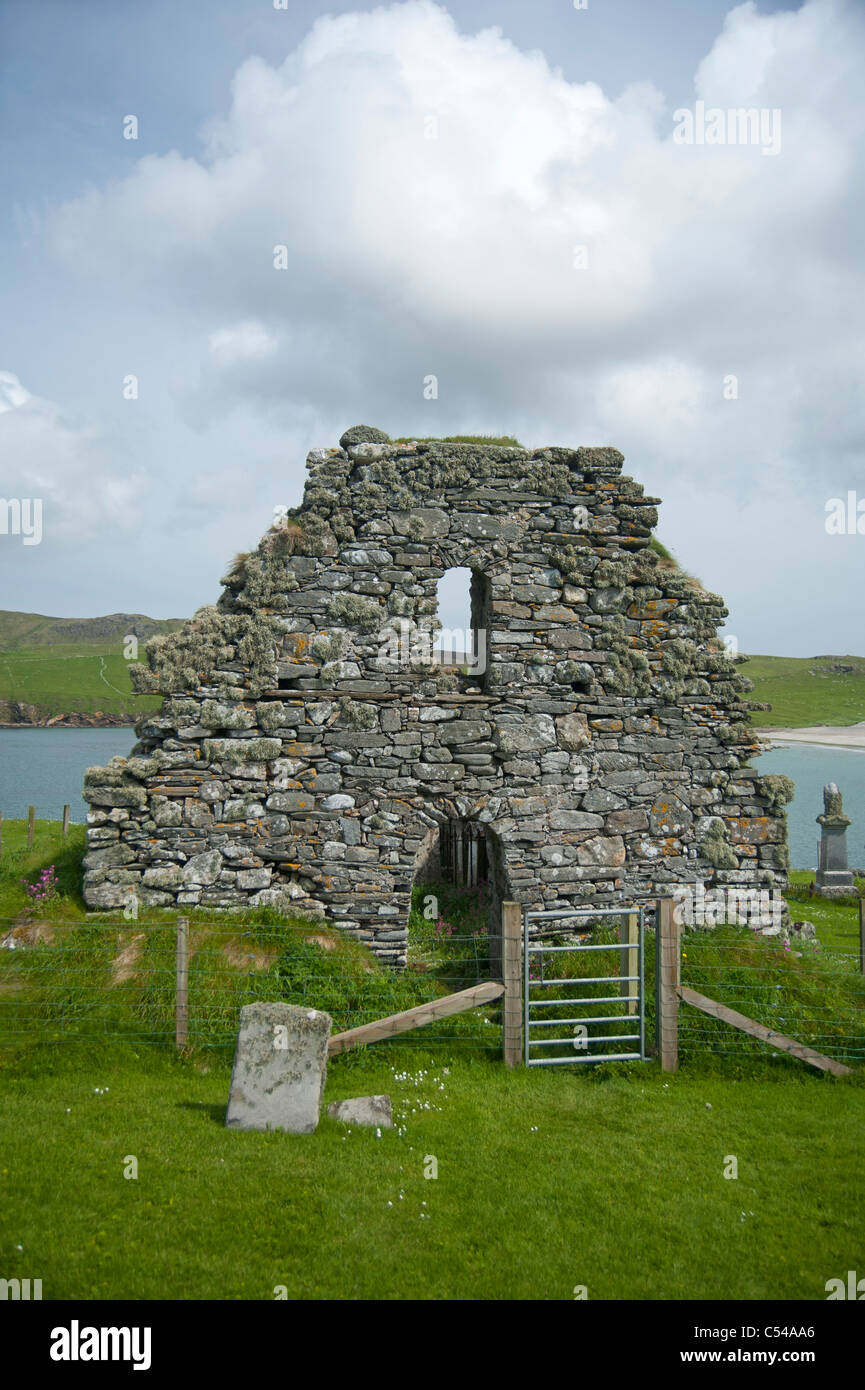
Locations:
(455, 254)
(87, 484)
(12, 393)
(248, 341)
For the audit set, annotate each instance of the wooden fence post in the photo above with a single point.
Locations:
(31, 819)
(181, 1003)
(629, 961)
(667, 981)
(862, 935)
(65, 820)
(512, 1002)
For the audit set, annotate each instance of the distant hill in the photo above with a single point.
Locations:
(72, 670)
(807, 690)
(35, 630)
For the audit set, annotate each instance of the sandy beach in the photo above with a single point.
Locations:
(828, 735)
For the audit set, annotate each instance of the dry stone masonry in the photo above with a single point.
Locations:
(307, 750)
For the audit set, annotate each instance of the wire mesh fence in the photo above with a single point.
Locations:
(798, 989)
(63, 979)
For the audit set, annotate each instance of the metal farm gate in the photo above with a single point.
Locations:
(549, 1020)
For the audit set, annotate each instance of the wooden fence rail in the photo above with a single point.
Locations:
(759, 1030)
(416, 1017)
(670, 992)
(507, 957)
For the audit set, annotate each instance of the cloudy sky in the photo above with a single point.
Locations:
(431, 171)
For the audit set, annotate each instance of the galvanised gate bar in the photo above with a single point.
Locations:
(630, 996)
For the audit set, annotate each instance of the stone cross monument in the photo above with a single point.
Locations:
(833, 876)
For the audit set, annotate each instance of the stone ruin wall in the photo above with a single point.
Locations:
(301, 761)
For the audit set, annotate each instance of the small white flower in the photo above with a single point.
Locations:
(19, 1247)
(378, 1134)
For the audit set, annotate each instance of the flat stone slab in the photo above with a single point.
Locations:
(280, 1067)
(363, 1110)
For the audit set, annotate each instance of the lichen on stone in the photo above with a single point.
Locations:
(355, 611)
(355, 714)
(715, 845)
(778, 788)
(328, 646)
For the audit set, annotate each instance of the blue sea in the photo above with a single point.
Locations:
(45, 768)
(811, 768)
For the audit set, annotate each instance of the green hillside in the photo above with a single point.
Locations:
(807, 690)
(72, 666)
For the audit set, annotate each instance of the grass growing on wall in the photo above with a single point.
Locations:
(501, 440)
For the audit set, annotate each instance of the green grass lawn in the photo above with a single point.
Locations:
(545, 1181)
(74, 665)
(610, 1176)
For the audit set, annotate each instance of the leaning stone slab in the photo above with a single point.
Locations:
(363, 1110)
(280, 1066)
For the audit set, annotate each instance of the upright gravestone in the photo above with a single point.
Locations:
(280, 1066)
(834, 879)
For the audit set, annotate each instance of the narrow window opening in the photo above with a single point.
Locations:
(460, 644)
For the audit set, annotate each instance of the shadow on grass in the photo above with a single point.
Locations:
(215, 1113)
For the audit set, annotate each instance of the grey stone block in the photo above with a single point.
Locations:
(280, 1067)
(374, 1111)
